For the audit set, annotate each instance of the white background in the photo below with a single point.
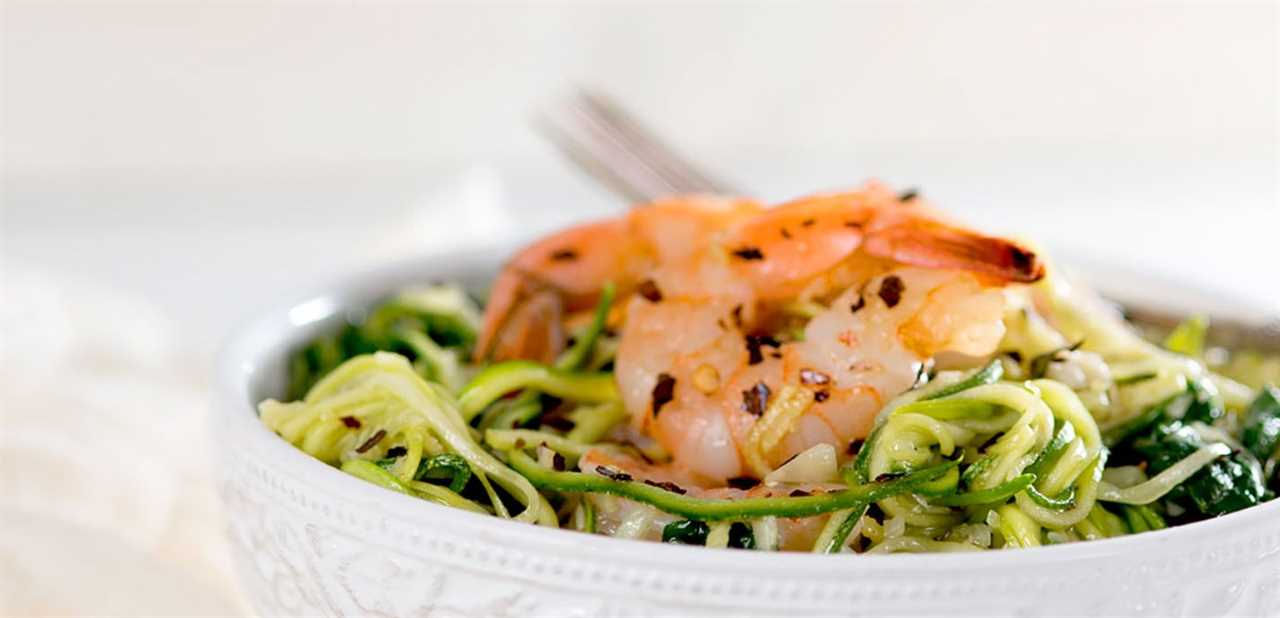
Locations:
(176, 90)
(169, 169)
(206, 138)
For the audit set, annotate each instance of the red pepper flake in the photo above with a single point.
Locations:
(742, 482)
(558, 421)
(737, 316)
(351, 422)
(649, 290)
(663, 392)
(557, 461)
(373, 440)
(807, 223)
(908, 195)
(755, 400)
(811, 376)
(821, 396)
(847, 337)
(799, 493)
(520, 443)
(853, 224)
(612, 474)
(667, 486)
(786, 234)
(754, 343)
(749, 253)
(397, 451)
(564, 255)
(891, 291)
(854, 447)
(857, 306)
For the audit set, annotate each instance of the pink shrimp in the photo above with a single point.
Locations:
(568, 269)
(706, 282)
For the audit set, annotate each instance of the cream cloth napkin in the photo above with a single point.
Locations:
(109, 502)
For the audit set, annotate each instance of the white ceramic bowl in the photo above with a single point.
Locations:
(310, 540)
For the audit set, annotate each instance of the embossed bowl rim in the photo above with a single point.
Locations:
(251, 367)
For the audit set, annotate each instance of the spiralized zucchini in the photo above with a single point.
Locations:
(1016, 423)
(1077, 429)
(376, 402)
(1155, 488)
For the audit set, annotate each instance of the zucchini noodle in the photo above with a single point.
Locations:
(706, 509)
(382, 393)
(584, 516)
(839, 527)
(777, 422)
(1073, 428)
(766, 533)
(914, 435)
(510, 439)
(911, 544)
(718, 537)
(497, 380)
(1017, 528)
(1081, 316)
(1159, 485)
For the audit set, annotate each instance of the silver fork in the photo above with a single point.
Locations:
(612, 147)
(615, 149)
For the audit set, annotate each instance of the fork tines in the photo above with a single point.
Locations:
(616, 150)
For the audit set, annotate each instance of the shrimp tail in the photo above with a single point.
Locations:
(931, 244)
(561, 273)
(523, 321)
(504, 294)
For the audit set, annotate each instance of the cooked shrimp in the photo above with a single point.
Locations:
(570, 268)
(701, 355)
(873, 342)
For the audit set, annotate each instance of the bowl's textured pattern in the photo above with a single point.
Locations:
(306, 548)
(303, 551)
(309, 540)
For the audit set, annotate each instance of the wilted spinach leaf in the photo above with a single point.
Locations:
(1228, 484)
(741, 536)
(1200, 402)
(1261, 434)
(445, 466)
(686, 532)
(1205, 404)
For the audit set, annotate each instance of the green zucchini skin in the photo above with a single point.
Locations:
(989, 374)
(998, 494)
(719, 510)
